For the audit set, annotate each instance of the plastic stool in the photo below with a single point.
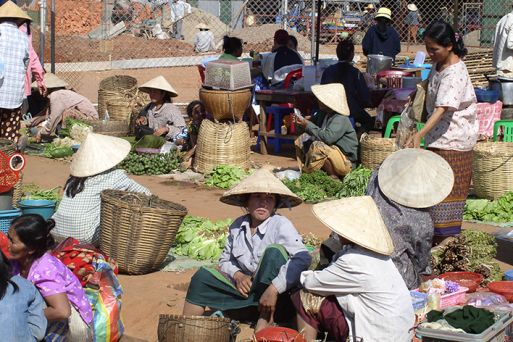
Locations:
(507, 126)
(390, 125)
(275, 114)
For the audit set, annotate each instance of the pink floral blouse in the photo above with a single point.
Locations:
(452, 88)
(52, 277)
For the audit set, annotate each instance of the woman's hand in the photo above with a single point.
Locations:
(267, 303)
(243, 283)
(161, 131)
(301, 121)
(140, 121)
(414, 141)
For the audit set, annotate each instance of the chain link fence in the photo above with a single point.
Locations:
(95, 35)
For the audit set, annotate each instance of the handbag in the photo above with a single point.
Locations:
(418, 106)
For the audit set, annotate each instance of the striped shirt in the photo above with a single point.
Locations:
(14, 59)
(79, 217)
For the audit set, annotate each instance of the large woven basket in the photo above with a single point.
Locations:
(492, 171)
(177, 328)
(226, 104)
(138, 230)
(374, 150)
(222, 143)
(112, 128)
(117, 95)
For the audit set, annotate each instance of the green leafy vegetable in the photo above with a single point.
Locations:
(33, 191)
(201, 239)
(52, 151)
(315, 186)
(150, 141)
(355, 182)
(498, 211)
(151, 164)
(69, 123)
(225, 176)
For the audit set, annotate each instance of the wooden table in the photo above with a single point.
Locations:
(305, 101)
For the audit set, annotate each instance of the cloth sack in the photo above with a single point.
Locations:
(419, 102)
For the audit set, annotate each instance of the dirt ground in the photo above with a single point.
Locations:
(157, 293)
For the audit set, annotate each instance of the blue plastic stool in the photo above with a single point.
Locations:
(276, 114)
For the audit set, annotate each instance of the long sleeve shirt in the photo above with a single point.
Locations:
(371, 293)
(337, 131)
(34, 67)
(385, 43)
(179, 9)
(243, 251)
(204, 41)
(22, 315)
(503, 47)
(14, 59)
(168, 115)
(79, 217)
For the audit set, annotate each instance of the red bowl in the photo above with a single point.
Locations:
(465, 279)
(504, 288)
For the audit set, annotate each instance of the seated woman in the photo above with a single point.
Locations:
(357, 92)
(263, 256)
(330, 142)
(68, 310)
(22, 316)
(404, 197)
(61, 103)
(361, 294)
(93, 170)
(232, 48)
(160, 117)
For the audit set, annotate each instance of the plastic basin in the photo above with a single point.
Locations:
(45, 208)
(470, 280)
(487, 95)
(508, 275)
(504, 288)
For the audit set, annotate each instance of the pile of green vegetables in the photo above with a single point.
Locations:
(318, 186)
(225, 176)
(151, 164)
(35, 192)
(70, 123)
(498, 211)
(150, 141)
(74, 134)
(471, 251)
(201, 239)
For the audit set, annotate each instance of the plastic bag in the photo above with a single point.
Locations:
(485, 299)
(406, 128)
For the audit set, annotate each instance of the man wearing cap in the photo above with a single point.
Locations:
(382, 38)
(503, 46)
(14, 47)
(361, 287)
(330, 141)
(178, 10)
(280, 57)
(62, 103)
(368, 16)
(204, 39)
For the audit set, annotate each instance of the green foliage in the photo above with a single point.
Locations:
(150, 141)
(33, 191)
(315, 186)
(69, 123)
(355, 183)
(225, 176)
(498, 211)
(201, 239)
(151, 164)
(52, 151)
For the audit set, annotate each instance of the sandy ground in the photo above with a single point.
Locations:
(157, 293)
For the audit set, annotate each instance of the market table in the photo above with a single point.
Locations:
(305, 101)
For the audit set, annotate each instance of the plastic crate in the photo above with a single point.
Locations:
(227, 75)
(501, 331)
(6, 217)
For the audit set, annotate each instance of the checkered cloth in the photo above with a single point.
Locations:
(14, 58)
(79, 217)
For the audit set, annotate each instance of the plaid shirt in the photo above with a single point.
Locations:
(14, 57)
(79, 217)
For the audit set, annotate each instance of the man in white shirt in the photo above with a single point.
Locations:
(178, 10)
(503, 46)
(204, 39)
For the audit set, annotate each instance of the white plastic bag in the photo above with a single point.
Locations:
(406, 128)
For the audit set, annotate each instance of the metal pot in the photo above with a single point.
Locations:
(377, 63)
(506, 88)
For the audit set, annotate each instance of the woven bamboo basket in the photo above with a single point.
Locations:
(138, 230)
(177, 328)
(492, 169)
(112, 128)
(375, 149)
(117, 95)
(222, 143)
(226, 104)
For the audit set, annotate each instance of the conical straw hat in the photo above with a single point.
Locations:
(415, 178)
(202, 26)
(412, 7)
(158, 82)
(261, 181)
(332, 95)
(98, 153)
(358, 220)
(52, 82)
(10, 10)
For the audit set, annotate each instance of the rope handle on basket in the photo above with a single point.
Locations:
(502, 164)
(233, 325)
(229, 133)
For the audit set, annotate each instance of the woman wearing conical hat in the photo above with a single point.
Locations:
(92, 170)
(405, 187)
(61, 103)
(361, 293)
(330, 142)
(160, 117)
(263, 256)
